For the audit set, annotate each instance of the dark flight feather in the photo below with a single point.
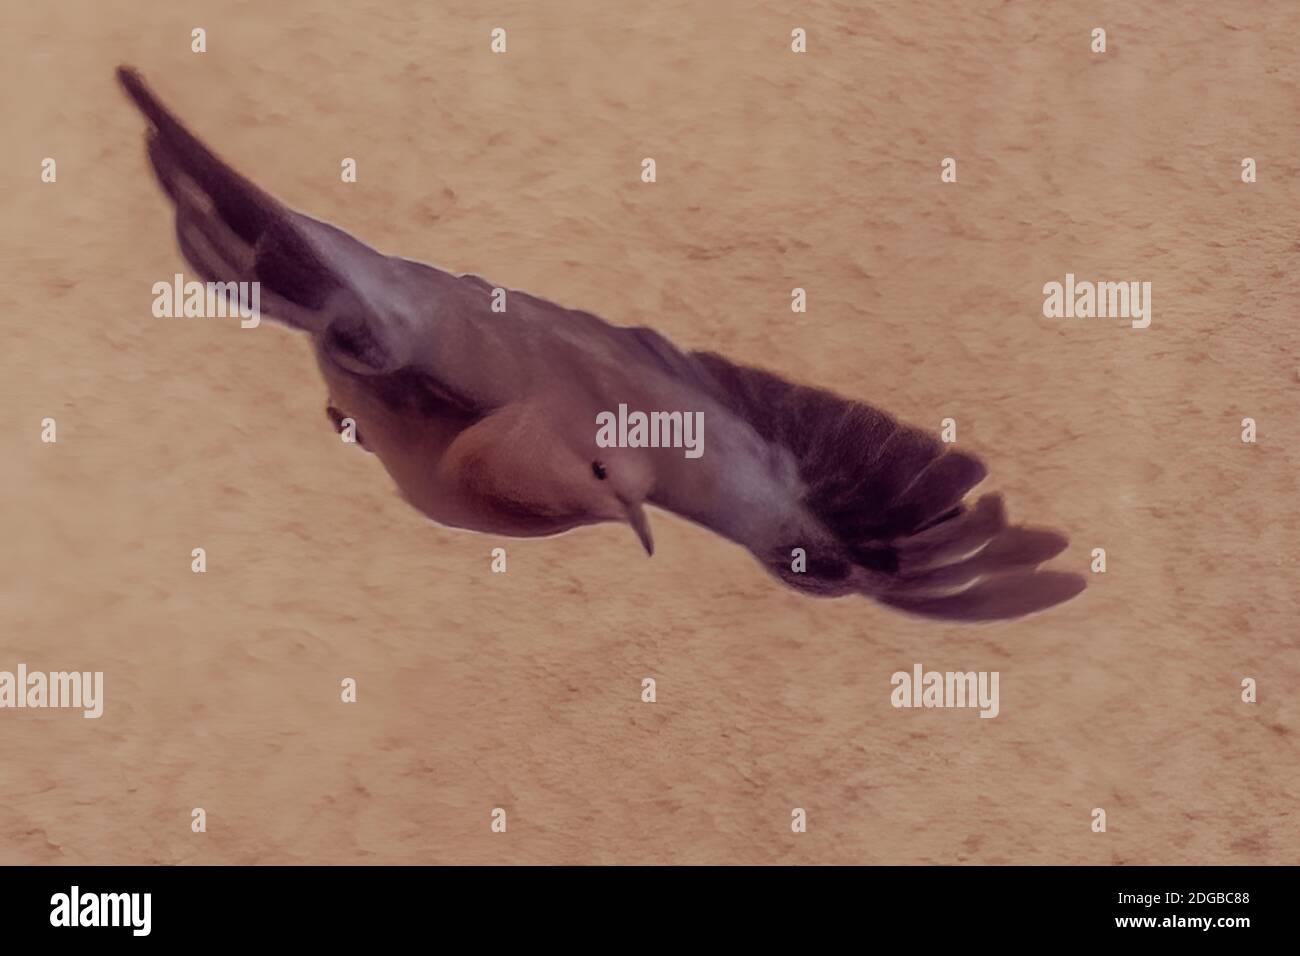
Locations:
(892, 496)
(230, 230)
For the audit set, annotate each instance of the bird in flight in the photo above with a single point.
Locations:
(487, 419)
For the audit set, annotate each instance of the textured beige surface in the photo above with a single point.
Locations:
(522, 690)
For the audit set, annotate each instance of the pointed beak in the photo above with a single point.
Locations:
(636, 517)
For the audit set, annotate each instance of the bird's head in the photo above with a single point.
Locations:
(619, 481)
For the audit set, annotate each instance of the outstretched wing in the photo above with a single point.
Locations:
(313, 276)
(892, 496)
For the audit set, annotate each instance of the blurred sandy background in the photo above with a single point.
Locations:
(522, 690)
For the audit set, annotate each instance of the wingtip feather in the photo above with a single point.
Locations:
(997, 598)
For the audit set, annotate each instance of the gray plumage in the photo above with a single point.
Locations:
(487, 420)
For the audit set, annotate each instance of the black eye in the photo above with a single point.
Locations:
(598, 470)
